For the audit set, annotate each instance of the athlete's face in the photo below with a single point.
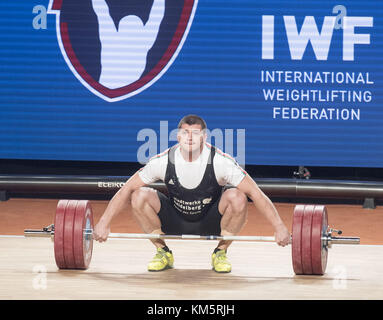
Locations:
(191, 137)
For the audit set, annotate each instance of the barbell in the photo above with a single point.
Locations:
(72, 233)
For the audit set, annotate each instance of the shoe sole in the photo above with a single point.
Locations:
(221, 271)
(167, 267)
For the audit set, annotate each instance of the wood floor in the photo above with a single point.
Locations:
(261, 271)
(118, 271)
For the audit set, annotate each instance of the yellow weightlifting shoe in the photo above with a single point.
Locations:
(220, 263)
(162, 260)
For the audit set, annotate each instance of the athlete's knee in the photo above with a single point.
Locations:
(142, 196)
(237, 200)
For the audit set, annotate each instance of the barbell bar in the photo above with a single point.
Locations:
(72, 234)
(89, 232)
(49, 233)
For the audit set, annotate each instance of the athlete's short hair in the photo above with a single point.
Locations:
(191, 119)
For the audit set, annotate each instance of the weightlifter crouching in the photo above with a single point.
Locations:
(195, 174)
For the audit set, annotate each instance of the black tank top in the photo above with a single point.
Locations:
(192, 204)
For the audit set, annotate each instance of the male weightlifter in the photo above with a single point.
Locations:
(195, 174)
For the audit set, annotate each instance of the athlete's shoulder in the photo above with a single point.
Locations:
(160, 156)
(158, 160)
(221, 154)
(225, 160)
(155, 168)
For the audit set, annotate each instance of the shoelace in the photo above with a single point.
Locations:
(159, 256)
(221, 257)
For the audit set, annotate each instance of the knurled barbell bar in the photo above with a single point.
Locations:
(73, 242)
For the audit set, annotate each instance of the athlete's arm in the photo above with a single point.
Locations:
(264, 205)
(119, 203)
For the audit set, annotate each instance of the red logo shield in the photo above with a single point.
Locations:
(118, 48)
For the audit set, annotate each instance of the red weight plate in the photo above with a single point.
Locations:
(68, 234)
(318, 247)
(306, 239)
(59, 234)
(324, 244)
(296, 243)
(83, 243)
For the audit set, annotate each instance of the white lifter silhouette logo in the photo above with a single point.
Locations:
(124, 49)
(119, 48)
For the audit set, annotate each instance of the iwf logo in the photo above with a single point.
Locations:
(118, 48)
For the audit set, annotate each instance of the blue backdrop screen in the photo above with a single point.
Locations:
(278, 82)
